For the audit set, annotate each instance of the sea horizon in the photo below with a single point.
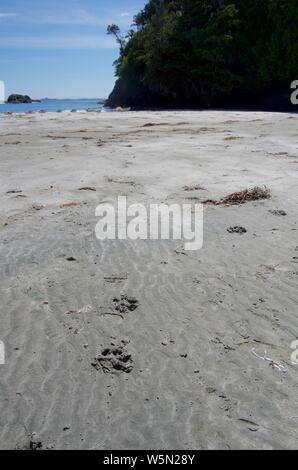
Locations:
(54, 105)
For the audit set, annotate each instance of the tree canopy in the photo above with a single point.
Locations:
(207, 53)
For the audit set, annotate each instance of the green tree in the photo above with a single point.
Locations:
(206, 52)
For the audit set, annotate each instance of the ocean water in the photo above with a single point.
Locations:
(50, 105)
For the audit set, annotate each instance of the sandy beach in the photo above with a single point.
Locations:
(196, 328)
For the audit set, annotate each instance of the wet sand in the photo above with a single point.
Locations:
(181, 366)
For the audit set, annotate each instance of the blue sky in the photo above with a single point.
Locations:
(59, 48)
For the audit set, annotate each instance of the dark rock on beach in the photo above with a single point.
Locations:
(21, 99)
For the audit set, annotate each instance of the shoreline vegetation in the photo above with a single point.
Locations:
(219, 54)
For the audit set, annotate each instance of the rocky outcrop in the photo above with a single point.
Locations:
(21, 99)
(219, 54)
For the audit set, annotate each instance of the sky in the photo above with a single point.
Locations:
(59, 48)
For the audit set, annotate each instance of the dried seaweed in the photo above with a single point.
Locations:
(241, 197)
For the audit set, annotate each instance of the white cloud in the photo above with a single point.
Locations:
(78, 18)
(7, 15)
(58, 42)
(75, 17)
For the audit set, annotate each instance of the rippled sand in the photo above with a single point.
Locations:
(194, 380)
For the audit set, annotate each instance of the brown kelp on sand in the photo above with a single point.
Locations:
(241, 197)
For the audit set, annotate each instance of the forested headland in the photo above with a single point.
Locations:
(208, 54)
